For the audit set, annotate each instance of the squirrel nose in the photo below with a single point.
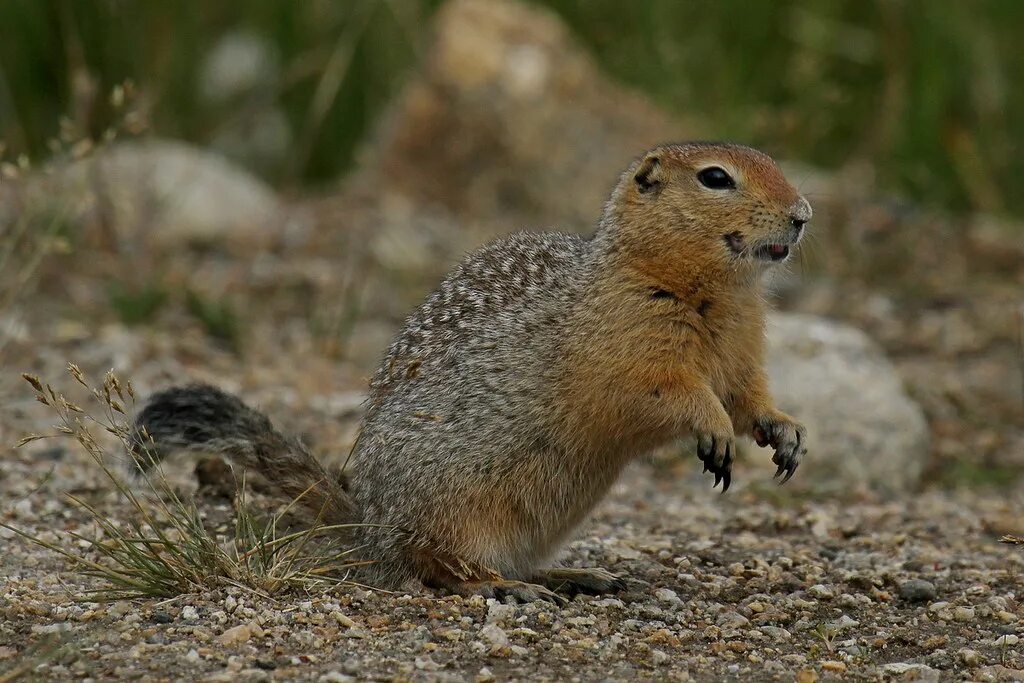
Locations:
(799, 214)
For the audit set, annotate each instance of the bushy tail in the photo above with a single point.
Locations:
(202, 418)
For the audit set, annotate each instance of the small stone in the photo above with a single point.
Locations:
(189, 613)
(162, 617)
(820, 592)
(336, 677)
(969, 657)
(918, 590)
(963, 614)
(844, 622)
(484, 675)
(833, 666)
(659, 658)
(235, 635)
(732, 620)
(776, 632)
(499, 613)
(1008, 639)
(426, 664)
(1006, 617)
(807, 676)
(911, 672)
(667, 596)
(119, 609)
(494, 635)
(342, 619)
(192, 656)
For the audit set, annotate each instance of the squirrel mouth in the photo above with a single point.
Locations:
(772, 252)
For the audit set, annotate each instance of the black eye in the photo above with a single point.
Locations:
(716, 179)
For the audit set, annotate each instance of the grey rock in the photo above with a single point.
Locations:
(918, 590)
(911, 672)
(160, 193)
(864, 431)
(730, 620)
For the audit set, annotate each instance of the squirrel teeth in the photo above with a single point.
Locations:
(772, 252)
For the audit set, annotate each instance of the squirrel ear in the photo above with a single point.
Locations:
(648, 175)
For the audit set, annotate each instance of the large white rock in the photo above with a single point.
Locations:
(865, 432)
(180, 193)
(153, 192)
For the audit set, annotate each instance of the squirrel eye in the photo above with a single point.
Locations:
(716, 178)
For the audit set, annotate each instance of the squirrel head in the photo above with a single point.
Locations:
(724, 206)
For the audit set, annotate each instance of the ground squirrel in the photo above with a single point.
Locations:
(543, 364)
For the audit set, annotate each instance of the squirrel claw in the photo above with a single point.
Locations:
(520, 591)
(593, 581)
(787, 437)
(717, 455)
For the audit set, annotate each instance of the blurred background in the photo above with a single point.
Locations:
(255, 192)
(925, 92)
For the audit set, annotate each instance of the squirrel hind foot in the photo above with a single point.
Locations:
(500, 589)
(594, 581)
(459, 576)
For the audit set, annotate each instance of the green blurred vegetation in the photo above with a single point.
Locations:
(927, 91)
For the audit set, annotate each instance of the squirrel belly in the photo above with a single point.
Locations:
(544, 362)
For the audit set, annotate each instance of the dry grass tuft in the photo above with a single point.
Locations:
(162, 547)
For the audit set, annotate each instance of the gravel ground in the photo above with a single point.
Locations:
(746, 586)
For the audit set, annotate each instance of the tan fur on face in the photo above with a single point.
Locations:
(676, 231)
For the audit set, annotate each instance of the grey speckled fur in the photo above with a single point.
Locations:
(453, 410)
(457, 408)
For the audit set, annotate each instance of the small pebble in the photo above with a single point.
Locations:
(235, 635)
(918, 590)
(500, 613)
(963, 614)
(732, 620)
(494, 635)
(820, 592)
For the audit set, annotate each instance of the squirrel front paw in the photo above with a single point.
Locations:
(716, 452)
(787, 436)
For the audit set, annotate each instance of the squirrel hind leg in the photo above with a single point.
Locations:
(573, 581)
